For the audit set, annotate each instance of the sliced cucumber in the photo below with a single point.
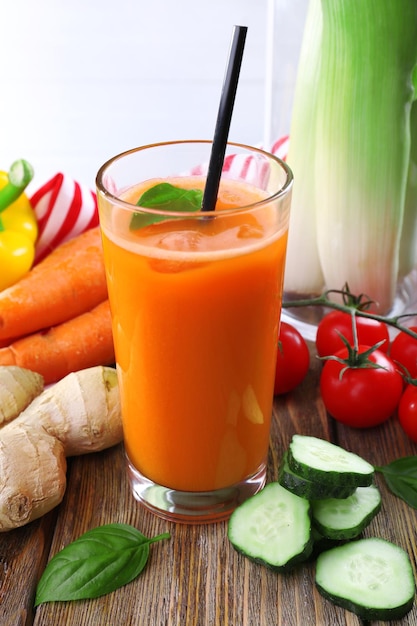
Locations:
(322, 543)
(273, 528)
(310, 489)
(321, 461)
(373, 578)
(346, 519)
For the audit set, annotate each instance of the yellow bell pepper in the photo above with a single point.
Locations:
(18, 225)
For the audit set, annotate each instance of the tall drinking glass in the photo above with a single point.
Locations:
(195, 300)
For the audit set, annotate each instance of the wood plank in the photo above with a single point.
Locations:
(23, 556)
(196, 578)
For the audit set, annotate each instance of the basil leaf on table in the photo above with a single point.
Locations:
(100, 561)
(165, 197)
(401, 478)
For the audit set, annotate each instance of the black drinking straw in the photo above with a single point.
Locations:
(224, 117)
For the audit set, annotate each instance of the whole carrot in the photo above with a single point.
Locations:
(84, 341)
(68, 282)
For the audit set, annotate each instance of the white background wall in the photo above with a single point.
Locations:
(82, 80)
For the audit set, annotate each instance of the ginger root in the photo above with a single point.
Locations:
(79, 414)
(32, 475)
(18, 387)
(82, 410)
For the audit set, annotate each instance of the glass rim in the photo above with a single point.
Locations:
(272, 197)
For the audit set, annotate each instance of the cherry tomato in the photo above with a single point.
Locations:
(370, 332)
(361, 396)
(407, 411)
(404, 351)
(293, 359)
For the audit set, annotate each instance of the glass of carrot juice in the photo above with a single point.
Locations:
(195, 298)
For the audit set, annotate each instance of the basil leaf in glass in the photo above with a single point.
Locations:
(98, 562)
(165, 197)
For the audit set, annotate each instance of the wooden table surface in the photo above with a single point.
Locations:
(195, 578)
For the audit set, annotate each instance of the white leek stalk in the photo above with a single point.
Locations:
(303, 273)
(358, 147)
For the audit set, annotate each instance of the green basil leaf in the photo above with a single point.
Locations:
(98, 562)
(166, 197)
(401, 478)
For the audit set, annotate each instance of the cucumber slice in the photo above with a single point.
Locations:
(325, 462)
(273, 528)
(373, 578)
(346, 519)
(322, 543)
(305, 488)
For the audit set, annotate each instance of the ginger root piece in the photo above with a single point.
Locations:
(32, 475)
(18, 387)
(82, 410)
(79, 414)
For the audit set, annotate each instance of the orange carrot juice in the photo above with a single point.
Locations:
(196, 305)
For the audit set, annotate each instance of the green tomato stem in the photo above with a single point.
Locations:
(324, 301)
(20, 175)
(354, 329)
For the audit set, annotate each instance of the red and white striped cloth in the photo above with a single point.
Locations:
(280, 147)
(246, 167)
(64, 208)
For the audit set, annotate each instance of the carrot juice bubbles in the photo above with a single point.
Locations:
(196, 301)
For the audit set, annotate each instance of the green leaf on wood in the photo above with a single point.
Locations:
(98, 562)
(401, 478)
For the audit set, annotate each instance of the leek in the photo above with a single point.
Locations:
(352, 160)
(408, 243)
(301, 156)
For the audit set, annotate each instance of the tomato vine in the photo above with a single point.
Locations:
(354, 305)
